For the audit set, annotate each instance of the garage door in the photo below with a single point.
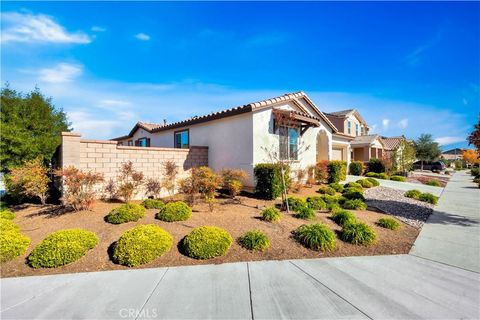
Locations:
(337, 154)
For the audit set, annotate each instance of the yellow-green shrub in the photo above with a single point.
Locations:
(175, 211)
(207, 242)
(12, 244)
(126, 213)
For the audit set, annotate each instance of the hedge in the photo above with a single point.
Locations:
(207, 242)
(268, 180)
(356, 168)
(337, 171)
(254, 240)
(317, 237)
(126, 213)
(175, 211)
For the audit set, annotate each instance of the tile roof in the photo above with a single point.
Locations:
(392, 143)
(340, 113)
(366, 139)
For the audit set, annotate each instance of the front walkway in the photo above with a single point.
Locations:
(404, 186)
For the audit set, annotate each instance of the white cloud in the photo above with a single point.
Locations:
(89, 124)
(402, 124)
(98, 29)
(62, 72)
(415, 57)
(449, 140)
(385, 123)
(142, 36)
(31, 28)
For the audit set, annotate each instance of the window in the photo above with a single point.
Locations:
(143, 142)
(288, 143)
(182, 139)
(130, 142)
(349, 127)
(361, 131)
(356, 129)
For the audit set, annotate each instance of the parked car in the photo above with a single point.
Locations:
(428, 165)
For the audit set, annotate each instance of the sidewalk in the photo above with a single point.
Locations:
(405, 186)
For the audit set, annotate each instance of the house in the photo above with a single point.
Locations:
(452, 154)
(289, 127)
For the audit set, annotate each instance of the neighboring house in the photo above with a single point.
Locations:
(290, 125)
(453, 154)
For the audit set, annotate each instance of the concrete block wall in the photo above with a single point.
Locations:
(106, 157)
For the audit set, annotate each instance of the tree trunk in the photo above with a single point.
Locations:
(284, 189)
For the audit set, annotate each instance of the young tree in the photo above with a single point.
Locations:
(474, 137)
(232, 180)
(153, 187)
(30, 180)
(128, 181)
(427, 149)
(31, 127)
(404, 157)
(471, 156)
(170, 172)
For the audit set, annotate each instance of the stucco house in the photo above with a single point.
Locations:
(290, 125)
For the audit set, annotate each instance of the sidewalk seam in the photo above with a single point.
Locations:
(250, 290)
(443, 263)
(151, 293)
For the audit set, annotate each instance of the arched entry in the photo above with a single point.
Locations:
(322, 146)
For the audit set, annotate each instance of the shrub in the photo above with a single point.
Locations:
(141, 244)
(434, 183)
(371, 174)
(232, 180)
(365, 183)
(126, 213)
(190, 187)
(78, 187)
(306, 213)
(336, 186)
(207, 242)
(254, 240)
(343, 217)
(358, 233)
(153, 187)
(62, 247)
(8, 225)
(170, 172)
(376, 165)
(351, 194)
(333, 206)
(356, 185)
(428, 197)
(356, 168)
(268, 178)
(321, 171)
(317, 237)
(7, 214)
(389, 223)
(382, 175)
(153, 204)
(326, 190)
(355, 204)
(373, 181)
(29, 180)
(175, 211)
(316, 203)
(475, 172)
(208, 183)
(329, 199)
(128, 181)
(271, 214)
(337, 171)
(414, 194)
(295, 203)
(398, 178)
(12, 244)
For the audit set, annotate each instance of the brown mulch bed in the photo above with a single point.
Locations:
(37, 222)
(423, 179)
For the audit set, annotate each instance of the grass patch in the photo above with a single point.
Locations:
(389, 223)
(271, 214)
(434, 183)
(355, 204)
(306, 213)
(359, 234)
(254, 240)
(317, 237)
(343, 217)
(316, 203)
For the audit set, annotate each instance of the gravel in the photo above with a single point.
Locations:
(391, 201)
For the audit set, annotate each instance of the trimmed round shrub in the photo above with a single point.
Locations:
(352, 185)
(336, 186)
(428, 197)
(353, 194)
(356, 168)
(365, 183)
(355, 204)
(126, 213)
(295, 203)
(343, 217)
(175, 211)
(305, 213)
(371, 174)
(271, 214)
(382, 175)
(8, 225)
(358, 233)
(373, 181)
(316, 236)
(7, 214)
(12, 244)
(254, 240)
(389, 223)
(414, 194)
(316, 203)
(207, 242)
(141, 244)
(398, 178)
(434, 183)
(153, 204)
(62, 247)
(327, 190)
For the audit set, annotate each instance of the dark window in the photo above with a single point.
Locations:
(288, 143)
(143, 142)
(349, 127)
(182, 139)
(356, 129)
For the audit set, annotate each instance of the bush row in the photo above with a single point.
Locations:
(425, 196)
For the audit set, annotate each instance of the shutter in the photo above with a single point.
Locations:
(148, 142)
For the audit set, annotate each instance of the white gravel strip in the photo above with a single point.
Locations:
(392, 201)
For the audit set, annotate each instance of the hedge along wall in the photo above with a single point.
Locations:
(104, 156)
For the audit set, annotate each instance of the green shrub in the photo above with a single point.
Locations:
(373, 181)
(365, 183)
(355, 204)
(382, 175)
(329, 199)
(295, 203)
(342, 217)
(475, 172)
(358, 233)
(153, 204)
(271, 214)
(62, 247)
(8, 225)
(336, 186)
(316, 203)
(414, 194)
(352, 194)
(326, 190)
(141, 244)
(356, 168)
(268, 179)
(376, 165)
(333, 206)
(207, 242)
(305, 213)
(317, 237)
(398, 178)
(12, 244)
(254, 240)
(7, 214)
(353, 185)
(389, 223)
(434, 183)
(175, 211)
(371, 174)
(126, 213)
(428, 197)
(337, 171)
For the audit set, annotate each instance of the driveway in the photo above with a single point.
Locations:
(404, 186)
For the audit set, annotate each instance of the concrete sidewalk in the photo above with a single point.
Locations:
(404, 186)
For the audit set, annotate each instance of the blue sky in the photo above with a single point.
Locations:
(409, 68)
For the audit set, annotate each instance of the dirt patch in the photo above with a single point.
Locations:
(37, 222)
